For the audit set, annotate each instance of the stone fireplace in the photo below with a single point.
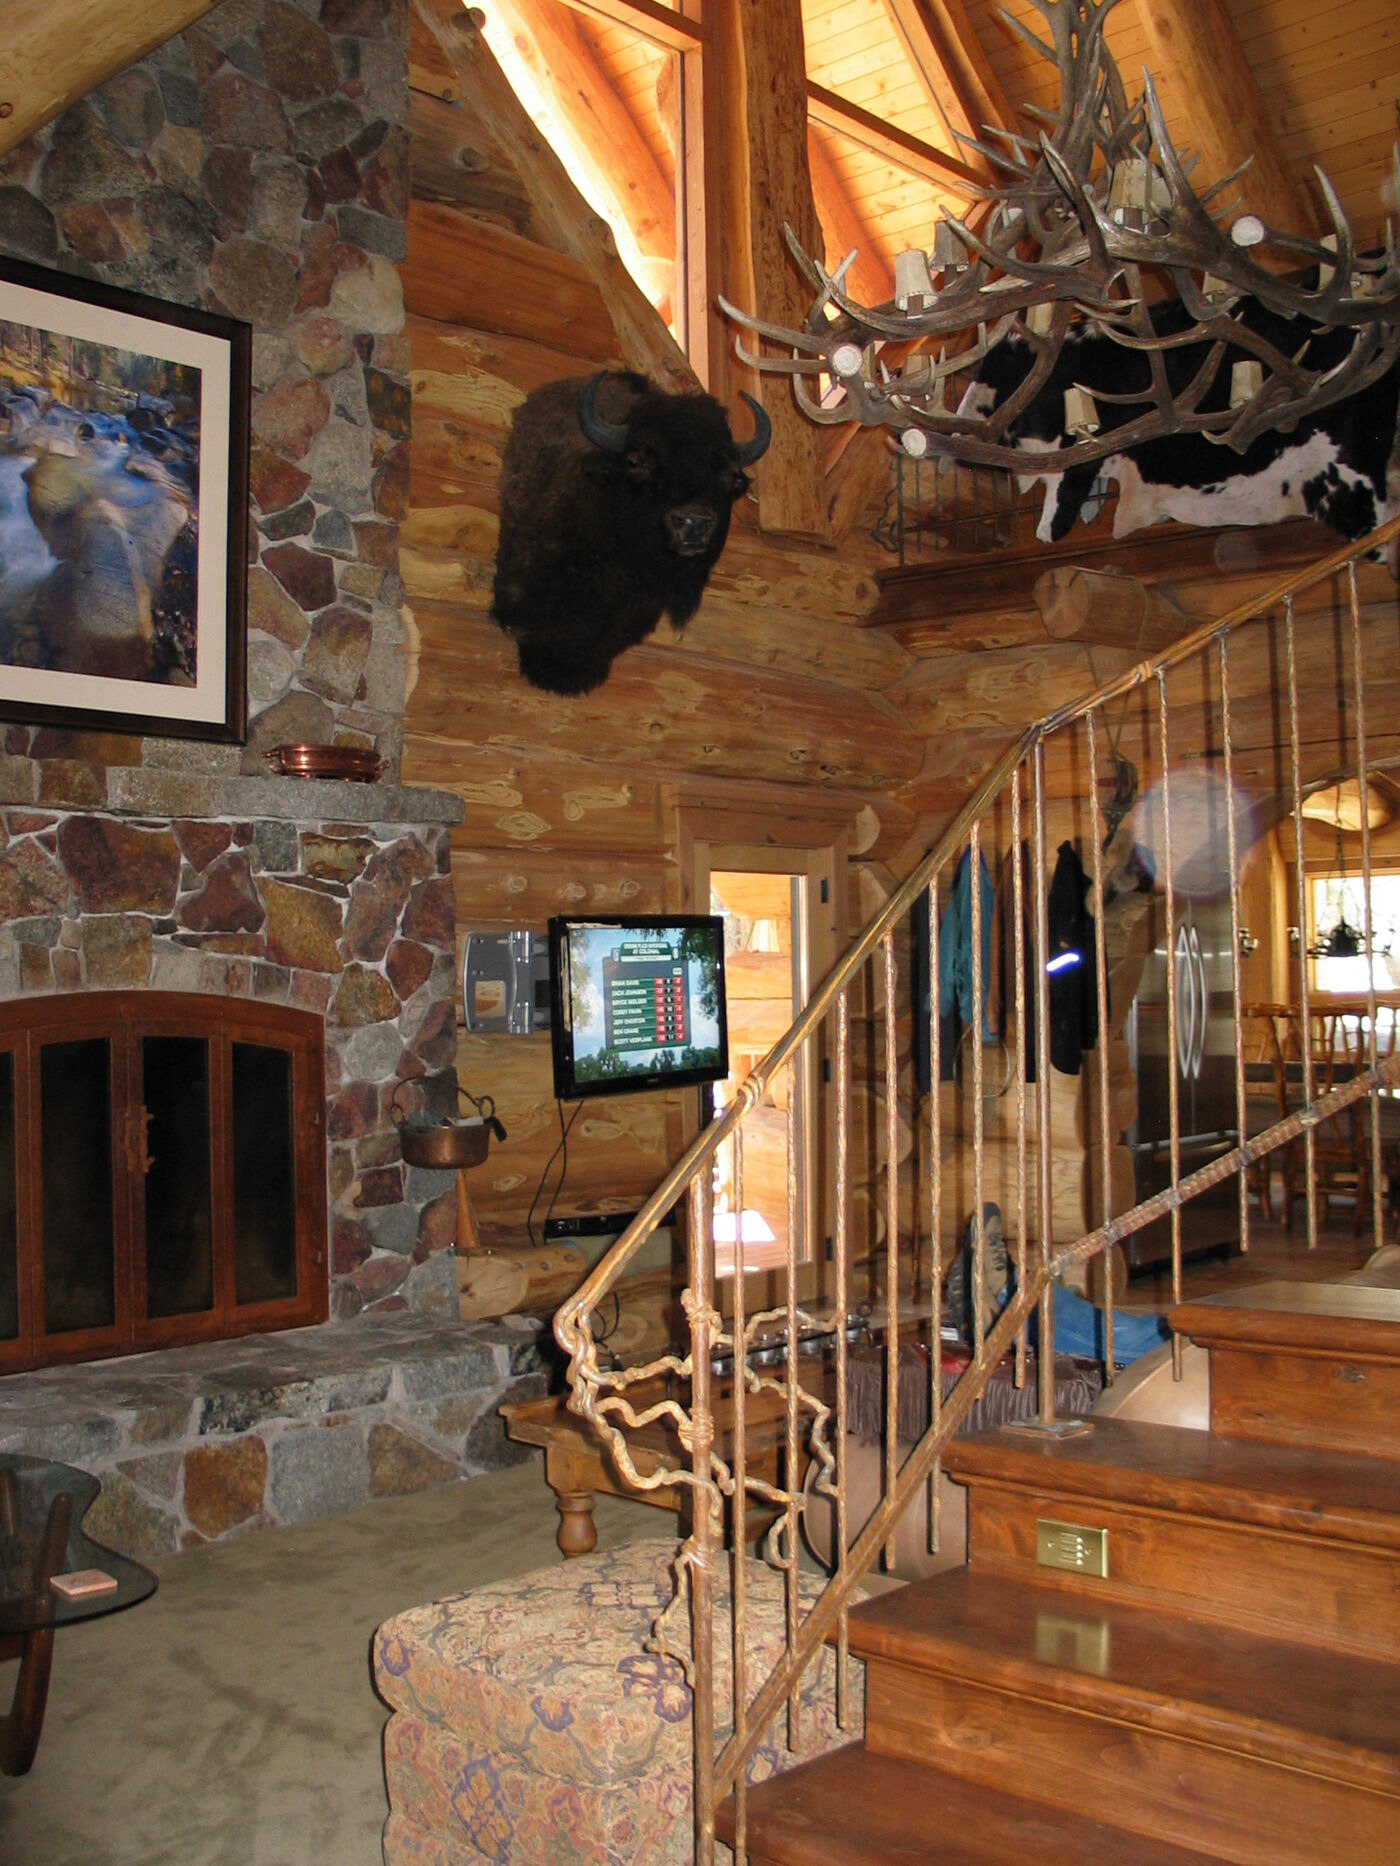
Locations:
(332, 898)
(258, 165)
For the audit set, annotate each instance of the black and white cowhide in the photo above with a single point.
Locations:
(1341, 467)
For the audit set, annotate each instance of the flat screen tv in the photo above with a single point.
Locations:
(637, 1003)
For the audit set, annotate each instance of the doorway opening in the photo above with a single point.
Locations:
(767, 983)
(778, 880)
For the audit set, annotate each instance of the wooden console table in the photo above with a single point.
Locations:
(578, 1463)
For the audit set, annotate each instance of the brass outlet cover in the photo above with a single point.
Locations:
(1077, 1547)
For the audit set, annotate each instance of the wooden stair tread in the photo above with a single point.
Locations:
(1343, 1319)
(1293, 1488)
(853, 1807)
(1307, 1708)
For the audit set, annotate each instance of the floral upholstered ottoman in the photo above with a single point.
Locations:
(531, 1728)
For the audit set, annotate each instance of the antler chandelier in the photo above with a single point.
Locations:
(1082, 211)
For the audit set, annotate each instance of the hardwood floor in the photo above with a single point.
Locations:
(1274, 1255)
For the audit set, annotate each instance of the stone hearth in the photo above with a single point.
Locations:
(196, 1444)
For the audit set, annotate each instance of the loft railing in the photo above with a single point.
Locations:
(1269, 702)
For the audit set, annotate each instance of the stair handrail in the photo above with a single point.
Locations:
(601, 1395)
(586, 1379)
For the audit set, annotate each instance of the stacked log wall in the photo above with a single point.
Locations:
(769, 699)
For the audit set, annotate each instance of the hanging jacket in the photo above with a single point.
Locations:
(1073, 989)
(955, 945)
(1001, 994)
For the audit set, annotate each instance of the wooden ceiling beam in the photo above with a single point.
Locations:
(943, 47)
(941, 606)
(870, 278)
(55, 51)
(1194, 49)
(661, 24)
(883, 139)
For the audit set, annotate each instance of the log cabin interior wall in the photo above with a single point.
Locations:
(772, 707)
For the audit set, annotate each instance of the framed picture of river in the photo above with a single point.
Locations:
(123, 510)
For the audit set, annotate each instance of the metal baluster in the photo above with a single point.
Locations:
(1045, 1356)
(1304, 989)
(1362, 778)
(891, 1235)
(790, 1447)
(979, 984)
(1173, 1109)
(739, 1579)
(839, 1254)
(1101, 988)
(702, 1535)
(1232, 845)
(935, 1063)
(1018, 1065)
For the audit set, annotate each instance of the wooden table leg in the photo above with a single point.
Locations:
(577, 1532)
(571, 1476)
(21, 1727)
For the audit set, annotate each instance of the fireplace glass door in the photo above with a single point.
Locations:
(179, 1173)
(162, 1173)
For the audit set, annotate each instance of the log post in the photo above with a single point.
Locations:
(468, 1237)
(1110, 610)
(56, 51)
(532, 1280)
(1195, 51)
(755, 102)
(955, 72)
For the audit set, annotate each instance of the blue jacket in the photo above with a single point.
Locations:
(955, 944)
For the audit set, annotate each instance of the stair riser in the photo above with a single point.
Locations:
(1298, 1587)
(1243, 1810)
(1283, 1398)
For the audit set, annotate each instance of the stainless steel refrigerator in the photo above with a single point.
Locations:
(1203, 1062)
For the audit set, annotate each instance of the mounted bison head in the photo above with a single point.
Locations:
(1340, 466)
(615, 501)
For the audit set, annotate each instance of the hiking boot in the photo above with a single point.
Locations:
(994, 1274)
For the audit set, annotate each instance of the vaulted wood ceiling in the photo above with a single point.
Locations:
(1292, 82)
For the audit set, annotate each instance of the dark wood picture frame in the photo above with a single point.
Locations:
(154, 431)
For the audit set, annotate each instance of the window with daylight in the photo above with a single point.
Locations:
(609, 96)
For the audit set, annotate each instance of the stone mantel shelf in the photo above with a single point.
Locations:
(132, 790)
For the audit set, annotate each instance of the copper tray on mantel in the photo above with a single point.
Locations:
(359, 764)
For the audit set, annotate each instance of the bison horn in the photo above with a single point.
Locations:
(605, 434)
(754, 449)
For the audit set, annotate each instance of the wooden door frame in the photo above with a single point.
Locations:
(776, 834)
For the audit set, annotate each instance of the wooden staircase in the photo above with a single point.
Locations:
(1228, 1690)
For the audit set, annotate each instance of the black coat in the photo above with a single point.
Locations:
(1074, 1001)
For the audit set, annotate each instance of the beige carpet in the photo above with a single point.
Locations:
(230, 1720)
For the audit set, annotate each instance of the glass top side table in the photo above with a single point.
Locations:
(42, 1506)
